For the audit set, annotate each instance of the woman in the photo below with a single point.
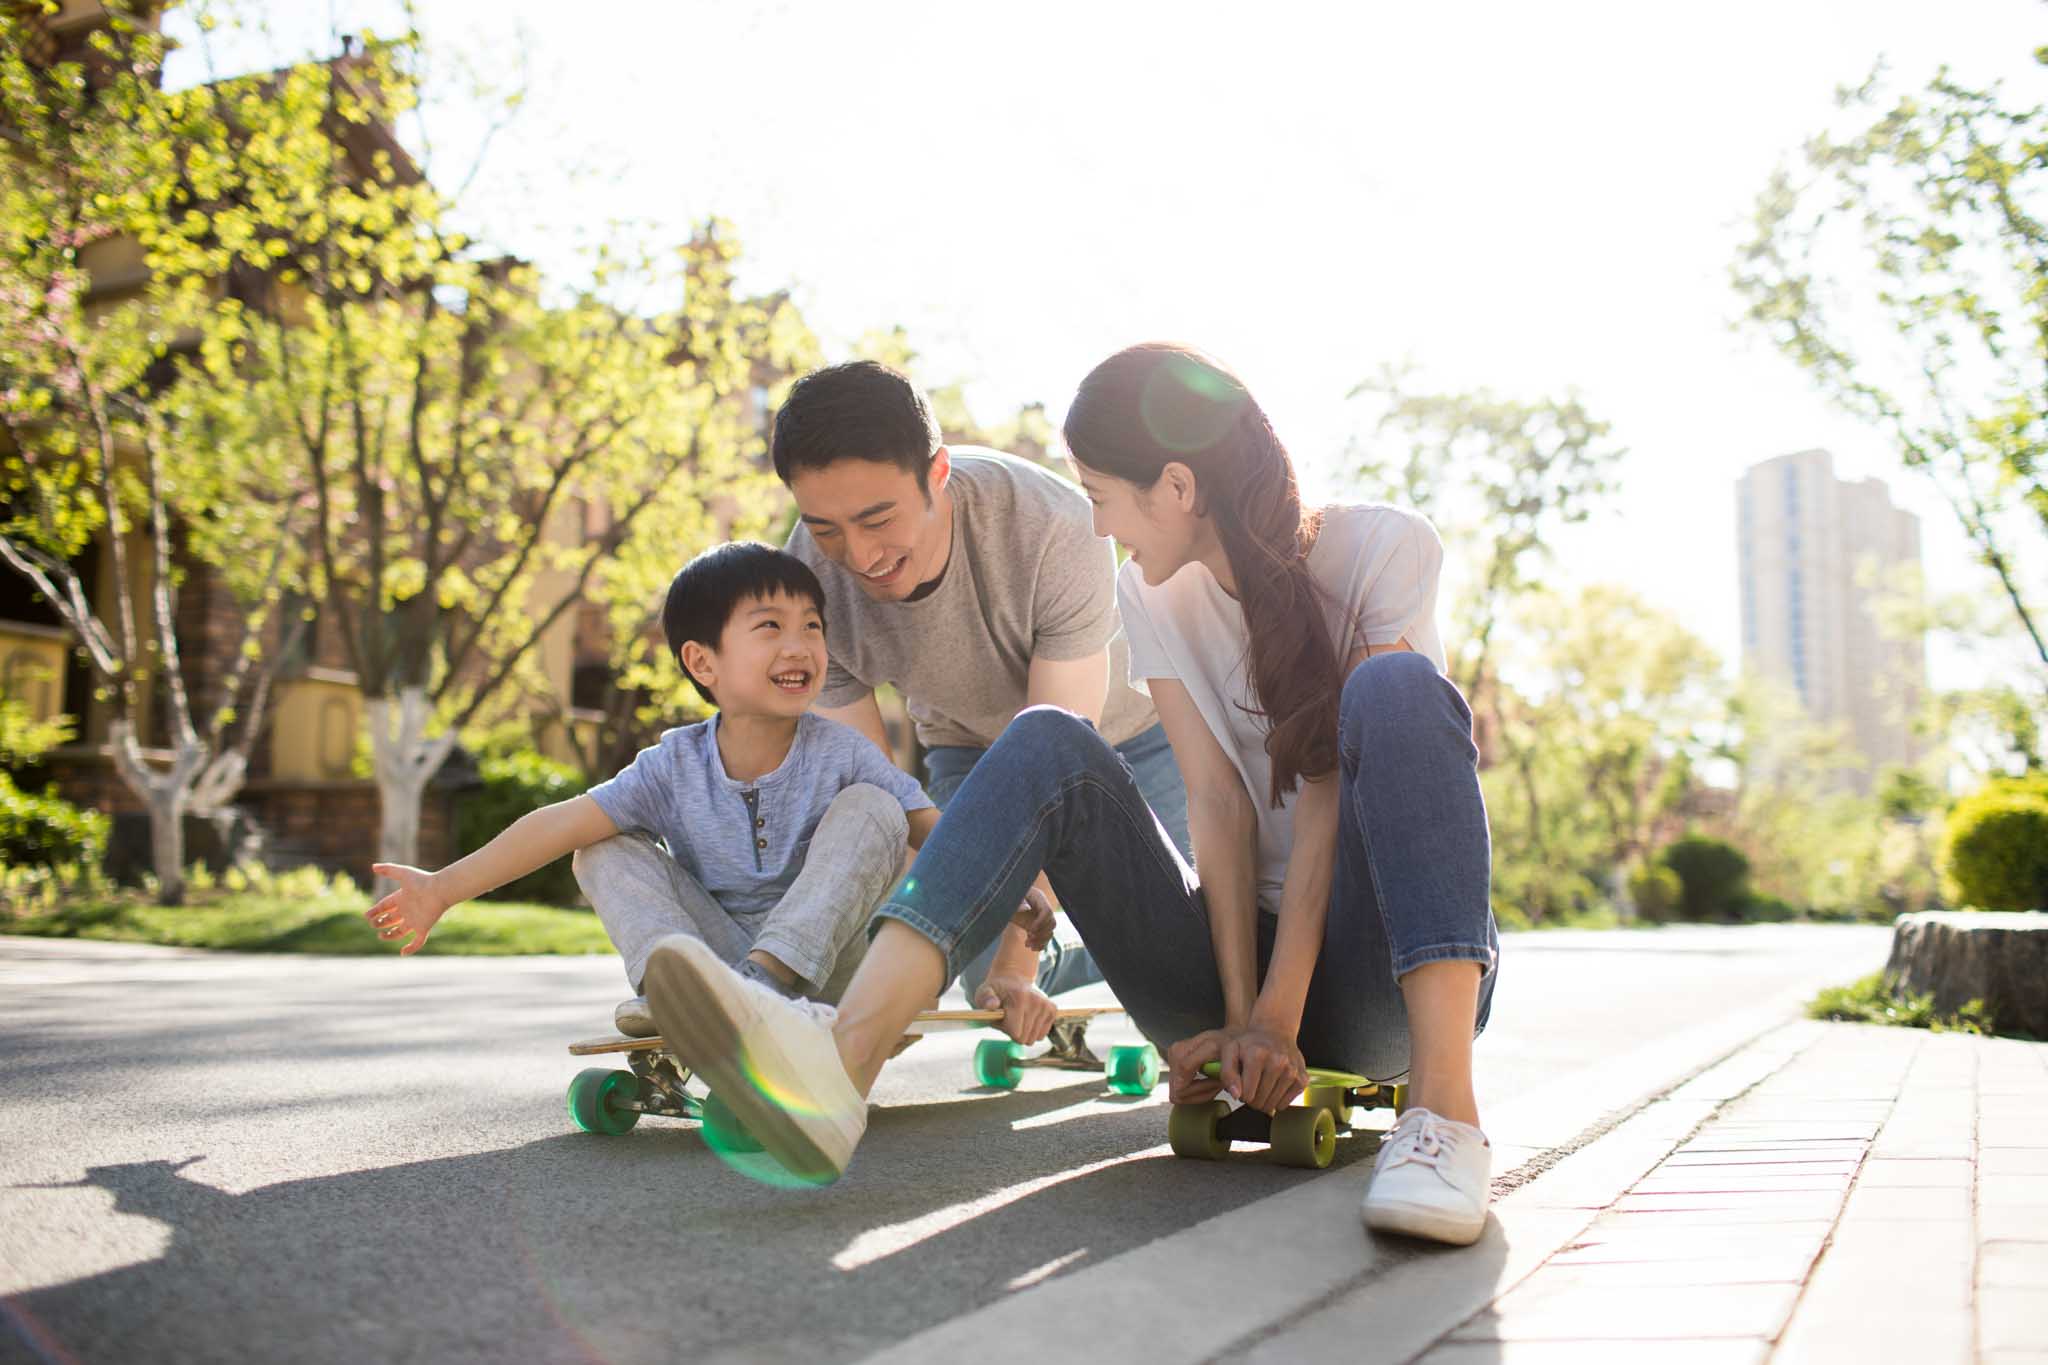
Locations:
(1342, 910)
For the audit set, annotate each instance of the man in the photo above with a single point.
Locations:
(973, 583)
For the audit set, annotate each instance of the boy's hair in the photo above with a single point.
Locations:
(706, 591)
(860, 410)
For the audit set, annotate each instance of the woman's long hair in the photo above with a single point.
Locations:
(1153, 404)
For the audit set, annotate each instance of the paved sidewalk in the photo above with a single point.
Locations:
(1828, 1192)
(1853, 1193)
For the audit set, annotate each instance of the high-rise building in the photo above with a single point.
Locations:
(1816, 555)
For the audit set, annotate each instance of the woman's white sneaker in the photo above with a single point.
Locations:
(769, 1058)
(1431, 1179)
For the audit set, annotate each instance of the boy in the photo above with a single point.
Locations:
(783, 829)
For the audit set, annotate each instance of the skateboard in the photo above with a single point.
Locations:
(1303, 1134)
(611, 1101)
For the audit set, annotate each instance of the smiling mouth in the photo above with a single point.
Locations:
(887, 573)
(791, 682)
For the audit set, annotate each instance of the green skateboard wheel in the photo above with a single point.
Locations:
(997, 1063)
(1191, 1131)
(590, 1096)
(723, 1131)
(1304, 1137)
(1133, 1070)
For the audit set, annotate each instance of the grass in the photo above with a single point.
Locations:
(1869, 1002)
(277, 920)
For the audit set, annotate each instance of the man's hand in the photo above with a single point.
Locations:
(413, 908)
(1028, 1012)
(1256, 1066)
(1035, 918)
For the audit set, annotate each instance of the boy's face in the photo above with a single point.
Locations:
(870, 518)
(770, 658)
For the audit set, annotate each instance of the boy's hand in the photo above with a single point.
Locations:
(1028, 1012)
(413, 908)
(1035, 918)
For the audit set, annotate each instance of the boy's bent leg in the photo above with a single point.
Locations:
(641, 896)
(854, 858)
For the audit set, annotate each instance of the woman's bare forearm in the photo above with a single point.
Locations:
(1304, 908)
(1223, 829)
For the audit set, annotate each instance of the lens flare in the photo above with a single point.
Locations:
(1186, 406)
(729, 1140)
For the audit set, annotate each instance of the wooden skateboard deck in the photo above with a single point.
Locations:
(930, 1021)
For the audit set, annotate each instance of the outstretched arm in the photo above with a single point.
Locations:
(534, 840)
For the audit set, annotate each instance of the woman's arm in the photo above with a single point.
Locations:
(1223, 827)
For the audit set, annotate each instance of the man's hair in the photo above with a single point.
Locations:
(860, 410)
(706, 592)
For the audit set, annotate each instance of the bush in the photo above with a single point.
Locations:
(1758, 909)
(1713, 874)
(1995, 849)
(512, 786)
(1656, 890)
(44, 831)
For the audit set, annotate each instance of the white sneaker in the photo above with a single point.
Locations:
(769, 1058)
(634, 1019)
(1431, 1179)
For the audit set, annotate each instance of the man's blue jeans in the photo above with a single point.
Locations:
(1410, 885)
(1150, 757)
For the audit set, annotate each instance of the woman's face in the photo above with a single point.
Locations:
(1158, 526)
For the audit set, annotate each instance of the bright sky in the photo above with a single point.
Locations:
(1526, 197)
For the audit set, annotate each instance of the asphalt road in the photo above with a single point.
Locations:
(244, 1158)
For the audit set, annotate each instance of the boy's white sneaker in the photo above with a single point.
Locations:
(1431, 1179)
(769, 1058)
(634, 1019)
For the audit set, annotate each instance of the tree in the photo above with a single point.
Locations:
(1905, 267)
(1605, 705)
(482, 446)
(1503, 474)
(91, 456)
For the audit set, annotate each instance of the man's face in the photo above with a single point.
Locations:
(870, 518)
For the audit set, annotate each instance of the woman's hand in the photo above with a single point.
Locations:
(1259, 1067)
(1035, 919)
(413, 908)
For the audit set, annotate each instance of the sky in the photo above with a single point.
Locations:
(1533, 199)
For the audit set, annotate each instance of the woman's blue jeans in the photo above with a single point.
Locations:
(1410, 885)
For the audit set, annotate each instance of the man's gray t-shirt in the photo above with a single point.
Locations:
(1027, 578)
(745, 842)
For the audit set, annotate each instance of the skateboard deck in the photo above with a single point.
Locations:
(611, 1102)
(928, 1021)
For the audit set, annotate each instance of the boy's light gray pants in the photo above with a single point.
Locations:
(818, 928)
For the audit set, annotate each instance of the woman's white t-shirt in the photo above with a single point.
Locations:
(1378, 564)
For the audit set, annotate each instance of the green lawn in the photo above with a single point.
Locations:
(269, 921)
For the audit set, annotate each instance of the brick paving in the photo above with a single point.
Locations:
(1878, 1195)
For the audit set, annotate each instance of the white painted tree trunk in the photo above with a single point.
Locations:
(168, 795)
(405, 760)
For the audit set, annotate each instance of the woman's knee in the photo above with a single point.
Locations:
(1053, 731)
(1396, 680)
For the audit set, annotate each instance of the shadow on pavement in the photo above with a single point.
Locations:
(641, 1247)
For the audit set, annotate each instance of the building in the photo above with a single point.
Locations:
(1816, 555)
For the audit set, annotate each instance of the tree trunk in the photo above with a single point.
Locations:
(167, 842)
(167, 795)
(406, 760)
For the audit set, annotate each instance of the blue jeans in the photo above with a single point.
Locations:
(1410, 884)
(1063, 967)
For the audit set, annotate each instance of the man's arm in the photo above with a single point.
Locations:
(1077, 684)
(865, 716)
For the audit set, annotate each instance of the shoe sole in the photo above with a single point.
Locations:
(703, 1037)
(1414, 1220)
